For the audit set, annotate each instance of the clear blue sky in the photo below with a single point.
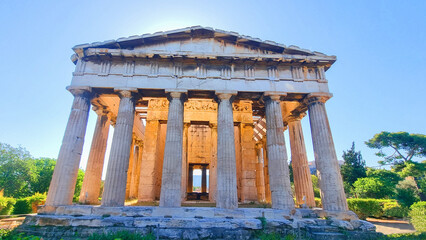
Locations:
(378, 81)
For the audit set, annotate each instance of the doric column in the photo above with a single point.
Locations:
(184, 184)
(146, 191)
(190, 179)
(93, 177)
(213, 163)
(332, 193)
(226, 196)
(172, 164)
(64, 177)
(203, 179)
(248, 163)
(266, 170)
(131, 163)
(63, 181)
(279, 179)
(116, 177)
(260, 178)
(136, 170)
(299, 161)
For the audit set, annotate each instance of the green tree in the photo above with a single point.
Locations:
(404, 146)
(387, 177)
(406, 192)
(15, 171)
(371, 187)
(44, 170)
(354, 166)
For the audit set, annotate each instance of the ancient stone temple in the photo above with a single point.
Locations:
(197, 99)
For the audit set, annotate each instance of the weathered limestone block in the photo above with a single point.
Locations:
(213, 164)
(330, 181)
(64, 177)
(116, 177)
(249, 164)
(260, 177)
(91, 187)
(172, 164)
(279, 178)
(131, 163)
(134, 183)
(226, 195)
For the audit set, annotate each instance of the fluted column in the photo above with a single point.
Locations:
(64, 177)
(213, 164)
(131, 164)
(332, 193)
(226, 195)
(266, 170)
(184, 184)
(299, 160)
(190, 185)
(203, 179)
(93, 177)
(116, 177)
(172, 164)
(135, 170)
(260, 178)
(279, 178)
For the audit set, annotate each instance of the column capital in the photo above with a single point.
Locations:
(274, 96)
(181, 94)
(296, 117)
(213, 125)
(84, 91)
(317, 97)
(101, 110)
(225, 95)
(126, 92)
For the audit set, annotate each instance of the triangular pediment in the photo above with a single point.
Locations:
(199, 40)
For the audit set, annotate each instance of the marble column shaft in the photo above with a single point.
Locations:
(64, 177)
(279, 178)
(131, 164)
(266, 170)
(204, 179)
(135, 171)
(299, 160)
(93, 177)
(190, 179)
(213, 164)
(116, 177)
(184, 184)
(332, 193)
(172, 164)
(226, 195)
(260, 177)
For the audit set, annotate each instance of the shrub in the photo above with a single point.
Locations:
(418, 216)
(406, 192)
(6, 205)
(29, 204)
(365, 207)
(318, 202)
(392, 209)
(372, 188)
(22, 206)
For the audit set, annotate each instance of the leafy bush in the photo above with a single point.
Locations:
(6, 205)
(22, 206)
(371, 187)
(418, 216)
(365, 207)
(392, 209)
(29, 204)
(318, 202)
(406, 192)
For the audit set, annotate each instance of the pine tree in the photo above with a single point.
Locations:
(354, 166)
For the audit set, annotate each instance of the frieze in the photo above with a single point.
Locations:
(198, 105)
